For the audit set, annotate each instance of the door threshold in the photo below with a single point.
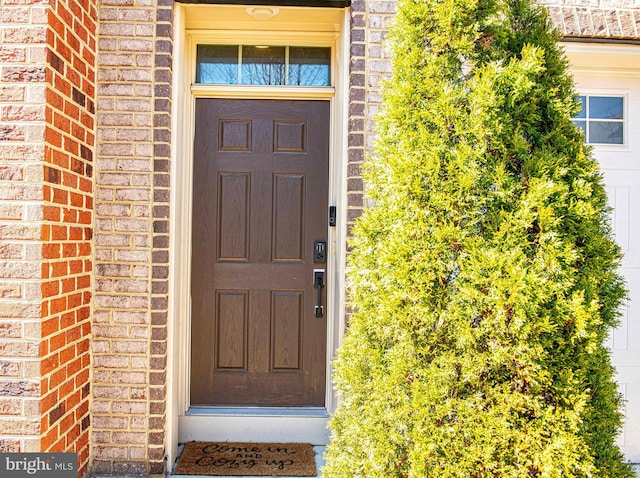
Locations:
(259, 411)
(255, 424)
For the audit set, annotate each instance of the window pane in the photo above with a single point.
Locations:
(605, 107)
(263, 65)
(601, 132)
(217, 64)
(583, 109)
(582, 125)
(309, 66)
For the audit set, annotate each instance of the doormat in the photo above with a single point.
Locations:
(246, 459)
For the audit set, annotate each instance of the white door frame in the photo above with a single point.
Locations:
(196, 24)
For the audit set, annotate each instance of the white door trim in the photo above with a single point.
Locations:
(275, 424)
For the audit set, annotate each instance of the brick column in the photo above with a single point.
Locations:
(357, 109)
(67, 230)
(132, 214)
(160, 241)
(46, 202)
(369, 65)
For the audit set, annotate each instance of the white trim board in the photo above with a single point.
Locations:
(295, 425)
(292, 425)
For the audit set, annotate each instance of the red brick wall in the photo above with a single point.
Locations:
(67, 227)
(47, 57)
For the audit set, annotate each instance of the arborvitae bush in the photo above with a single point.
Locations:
(483, 279)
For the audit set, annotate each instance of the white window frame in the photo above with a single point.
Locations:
(236, 37)
(286, 64)
(624, 94)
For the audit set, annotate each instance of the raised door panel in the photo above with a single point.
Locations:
(233, 228)
(287, 322)
(288, 217)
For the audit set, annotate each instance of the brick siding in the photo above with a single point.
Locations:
(618, 19)
(22, 92)
(59, 84)
(67, 230)
(132, 214)
(46, 201)
(369, 65)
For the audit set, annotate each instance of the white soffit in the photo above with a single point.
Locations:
(603, 58)
(287, 19)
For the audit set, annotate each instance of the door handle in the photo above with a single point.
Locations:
(318, 283)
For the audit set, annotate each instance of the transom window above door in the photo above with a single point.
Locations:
(601, 119)
(263, 65)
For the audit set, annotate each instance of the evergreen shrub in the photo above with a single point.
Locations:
(484, 277)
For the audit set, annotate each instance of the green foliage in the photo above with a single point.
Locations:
(484, 278)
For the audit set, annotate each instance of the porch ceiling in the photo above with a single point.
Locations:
(277, 3)
(207, 15)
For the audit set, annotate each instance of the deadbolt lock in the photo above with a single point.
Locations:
(320, 251)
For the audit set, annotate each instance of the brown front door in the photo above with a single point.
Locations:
(260, 193)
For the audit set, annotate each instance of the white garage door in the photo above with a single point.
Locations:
(611, 119)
